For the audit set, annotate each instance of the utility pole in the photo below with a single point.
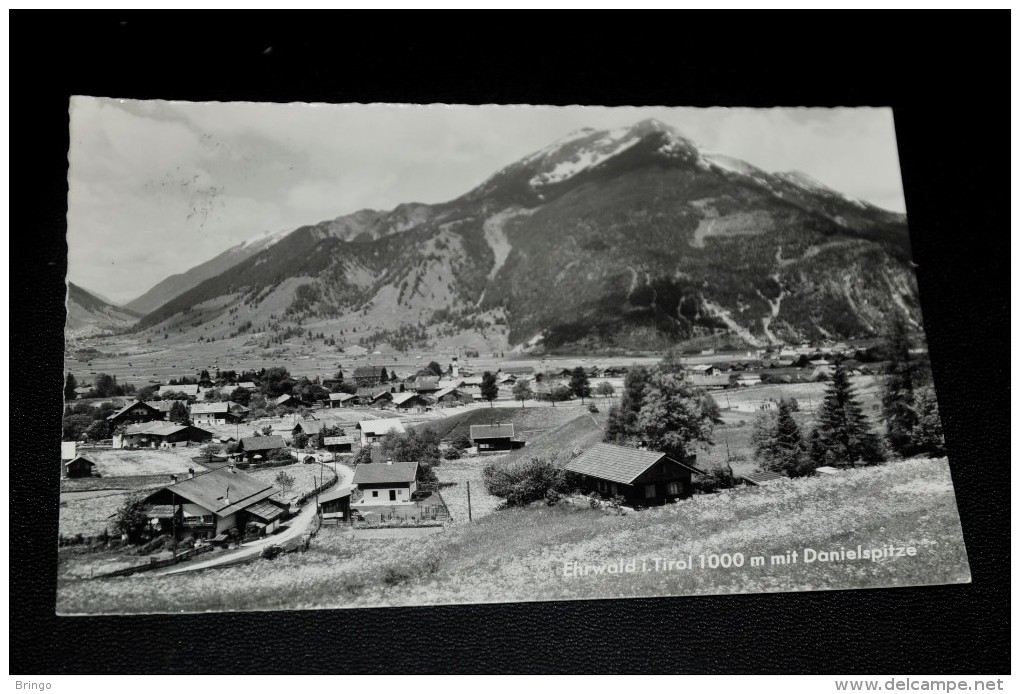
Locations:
(173, 525)
(469, 500)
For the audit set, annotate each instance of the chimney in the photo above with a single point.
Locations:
(173, 479)
(191, 473)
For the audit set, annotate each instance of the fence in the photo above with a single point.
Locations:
(155, 563)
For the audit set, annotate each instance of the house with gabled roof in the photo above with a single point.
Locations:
(209, 504)
(426, 384)
(374, 430)
(451, 396)
(408, 401)
(79, 466)
(369, 375)
(161, 435)
(262, 446)
(492, 438)
(384, 484)
(214, 413)
(308, 427)
(343, 400)
(641, 477)
(135, 413)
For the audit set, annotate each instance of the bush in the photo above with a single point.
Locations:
(271, 552)
(592, 408)
(524, 481)
(461, 442)
(715, 479)
(451, 454)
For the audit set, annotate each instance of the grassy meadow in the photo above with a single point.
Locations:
(519, 554)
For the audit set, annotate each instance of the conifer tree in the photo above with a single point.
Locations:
(927, 436)
(843, 429)
(902, 379)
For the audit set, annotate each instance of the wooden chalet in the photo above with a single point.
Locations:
(262, 446)
(343, 400)
(451, 396)
(369, 375)
(491, 438)
(207, 505)
(641, 477)
(408, 401)
(426, 384)
(135, 413)
(308, 427)
(161, 435)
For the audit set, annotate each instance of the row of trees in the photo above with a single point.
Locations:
(843, 434)
(103, 386)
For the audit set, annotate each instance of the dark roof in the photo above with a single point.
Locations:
(757, 478)
(614, 463)
(383, 473)
(337, 492)
(368, 371)
(223, 491)
(261, 443)
(492, 431)
(265, 511)
(129, 406)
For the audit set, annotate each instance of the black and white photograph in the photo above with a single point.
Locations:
(326, 356)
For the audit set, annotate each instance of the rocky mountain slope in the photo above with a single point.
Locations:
(88, 315)
(630, 238)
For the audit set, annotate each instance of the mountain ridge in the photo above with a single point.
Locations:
(603, 238)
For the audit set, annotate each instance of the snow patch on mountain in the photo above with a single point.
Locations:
(731, 164)
(587, 158)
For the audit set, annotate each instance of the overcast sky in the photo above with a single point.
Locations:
(157, 187)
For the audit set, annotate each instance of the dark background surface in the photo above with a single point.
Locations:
(954, 149)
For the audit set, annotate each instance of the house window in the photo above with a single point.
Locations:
(612, 489)
(649, 491)
(673, 488)
(375, 493)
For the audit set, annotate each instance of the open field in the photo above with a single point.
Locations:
(306, 477)
(88, 513)
(520, 554)
(126, 462)
(529, 422)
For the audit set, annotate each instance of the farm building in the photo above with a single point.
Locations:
(640, 476)
(490, 438)
(339, 444)
(451, 396)
(161, 435)
(82, 391)
(79, 467)
(343, 400)
(369, 375)
(748, 380)
(290, 401)
(135, 413)
(385, 483)
(373, 430)
(308, 427)
(251, 446)
(209, 504)
(190, 390)
(335, 504)
(703, 370)
(756, 479)
(213, 413)
(408, 401)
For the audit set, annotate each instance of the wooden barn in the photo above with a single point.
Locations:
(339, 444)
(251, 446)
(366, 376)
(335, 504)
(342, 400)
(641, 477)
(490, 438)
(79, 467)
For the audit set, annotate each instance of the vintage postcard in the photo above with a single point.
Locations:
(332, 356)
